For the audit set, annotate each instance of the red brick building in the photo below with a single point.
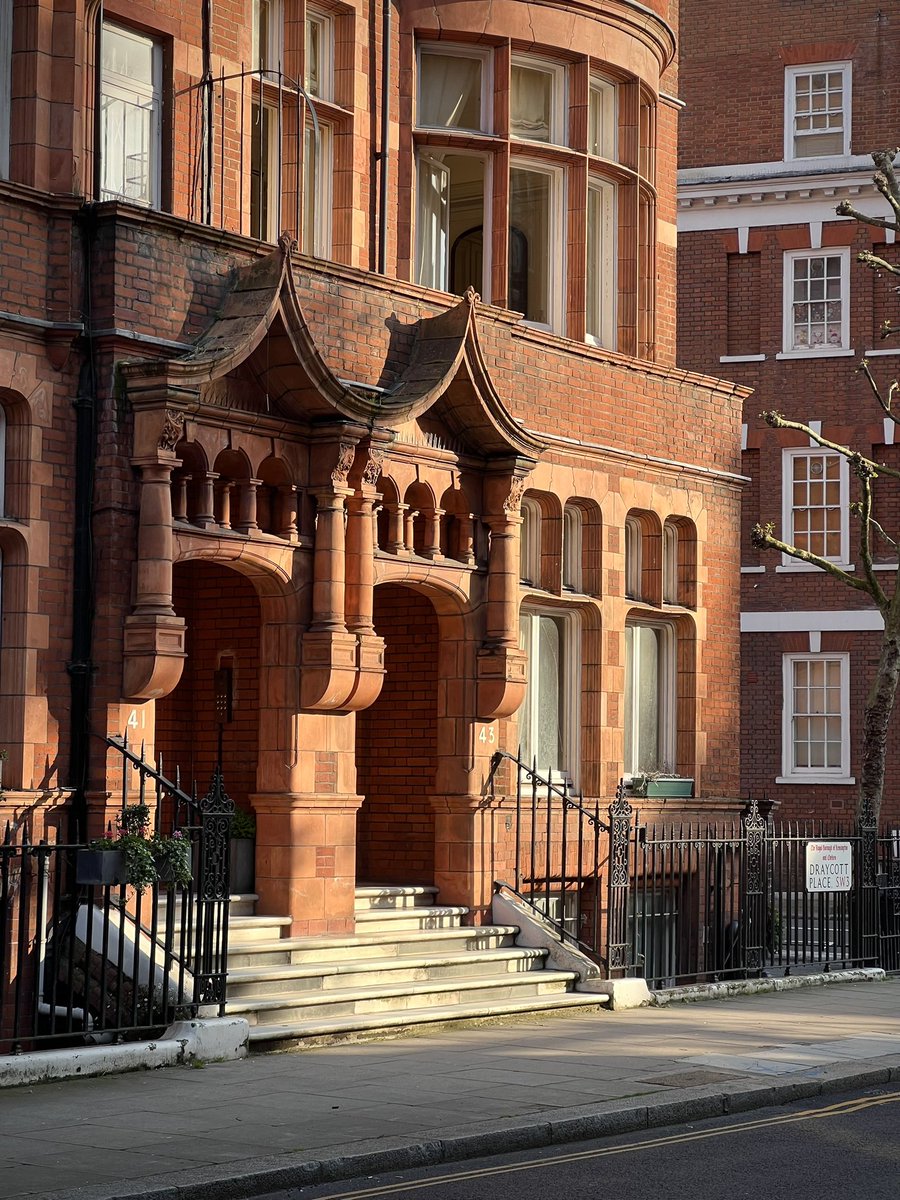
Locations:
(418, 479)
(784, 106)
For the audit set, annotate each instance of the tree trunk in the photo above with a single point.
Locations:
(879, 706)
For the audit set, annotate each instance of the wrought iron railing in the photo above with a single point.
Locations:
(559, 849)
(104, 961)
(696, 901)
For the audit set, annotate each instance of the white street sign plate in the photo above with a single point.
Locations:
(829, 866)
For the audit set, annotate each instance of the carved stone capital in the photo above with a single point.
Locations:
(172, 430)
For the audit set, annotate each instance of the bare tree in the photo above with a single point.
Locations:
(883, 692)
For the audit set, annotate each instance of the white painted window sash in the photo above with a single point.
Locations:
(791, 773)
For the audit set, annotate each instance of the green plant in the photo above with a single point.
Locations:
(147, 856)
(243, 824)
(172, 857)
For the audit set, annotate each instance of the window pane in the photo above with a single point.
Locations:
(314, 57)
(316, 191)
(449, 91)
(130, 106)
(549, 707)
(529, 266)
(643, 679)
(602, 120)
(432, 223)
(530, 103)
(600, 285)
(262, 175)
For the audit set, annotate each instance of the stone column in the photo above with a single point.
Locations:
(180, 503)
(285, 518)
(360, 563)
(153, 651)
(205, 516)
(247, 522)
(225, 489)
(156, 544)
(503, 580)
(328, 561)
(433, 534)
(397, 523)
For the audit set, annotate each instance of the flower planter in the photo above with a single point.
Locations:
(662, 788)
(242, 865)
(100, 868)
(165, 870)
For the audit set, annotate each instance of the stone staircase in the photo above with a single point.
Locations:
(410, 963)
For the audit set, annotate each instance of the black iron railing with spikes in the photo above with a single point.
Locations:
(85, 958)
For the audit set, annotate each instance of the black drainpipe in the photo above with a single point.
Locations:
(385, 135)
(208, 142)
(81, 667)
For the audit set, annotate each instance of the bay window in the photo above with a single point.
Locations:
(470, 172)
(317, 175)
(536, 251)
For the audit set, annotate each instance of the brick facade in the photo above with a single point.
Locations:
(226, 454)
(744, 206)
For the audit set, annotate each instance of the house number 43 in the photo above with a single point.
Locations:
(488, 735)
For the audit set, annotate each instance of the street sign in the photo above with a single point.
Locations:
(829, 866)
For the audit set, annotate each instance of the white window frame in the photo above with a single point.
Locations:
(559, 132)
(274, 50)
(789, 456)
(572, 547)
(607, 281)
(823, 351)
(790, 108)
(319, 245)
(119, 87)
(558, 240)
(813, 775)
(273, 196)
(451, 50)
(633, 548)
(530, 543)
(610, 120)
(434, 156)
(667, 733)
(325, 26)
(569, 686)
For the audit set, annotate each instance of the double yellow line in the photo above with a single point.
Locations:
(842, 1109)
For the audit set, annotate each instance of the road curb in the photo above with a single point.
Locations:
(258, 1176)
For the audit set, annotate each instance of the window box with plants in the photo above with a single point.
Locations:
(655, 785)
(135, 856)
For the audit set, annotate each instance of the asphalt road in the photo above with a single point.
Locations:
(807, 1151)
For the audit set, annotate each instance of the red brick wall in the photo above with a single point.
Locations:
(732, 73)
(396, 743)
(222, 614)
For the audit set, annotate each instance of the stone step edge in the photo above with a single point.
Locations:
(411, 1017)
(307, 999)
(418, 912)
(412, 889)
(386, 937)
(396, 963)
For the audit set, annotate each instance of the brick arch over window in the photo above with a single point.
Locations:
(643, 556)
(680, 562)
(17, 453)
(548, 509)
(582, 546)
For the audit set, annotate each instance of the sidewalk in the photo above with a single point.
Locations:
(273, 1121)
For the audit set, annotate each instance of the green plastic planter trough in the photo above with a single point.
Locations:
(663, 787)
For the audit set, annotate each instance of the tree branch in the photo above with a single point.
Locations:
(885, 405)
(775, 420)
(846, 209)
(865, 475)
(876, 263)
(763, 538)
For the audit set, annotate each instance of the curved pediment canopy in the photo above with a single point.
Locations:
(261, 329)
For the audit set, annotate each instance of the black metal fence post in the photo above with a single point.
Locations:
(617, 932)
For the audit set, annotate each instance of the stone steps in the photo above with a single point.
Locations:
(411, 962)
(249, 981)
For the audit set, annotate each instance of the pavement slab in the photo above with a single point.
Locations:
(272, 1121)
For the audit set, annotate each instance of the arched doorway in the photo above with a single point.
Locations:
(396, 745)
(222, 614)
